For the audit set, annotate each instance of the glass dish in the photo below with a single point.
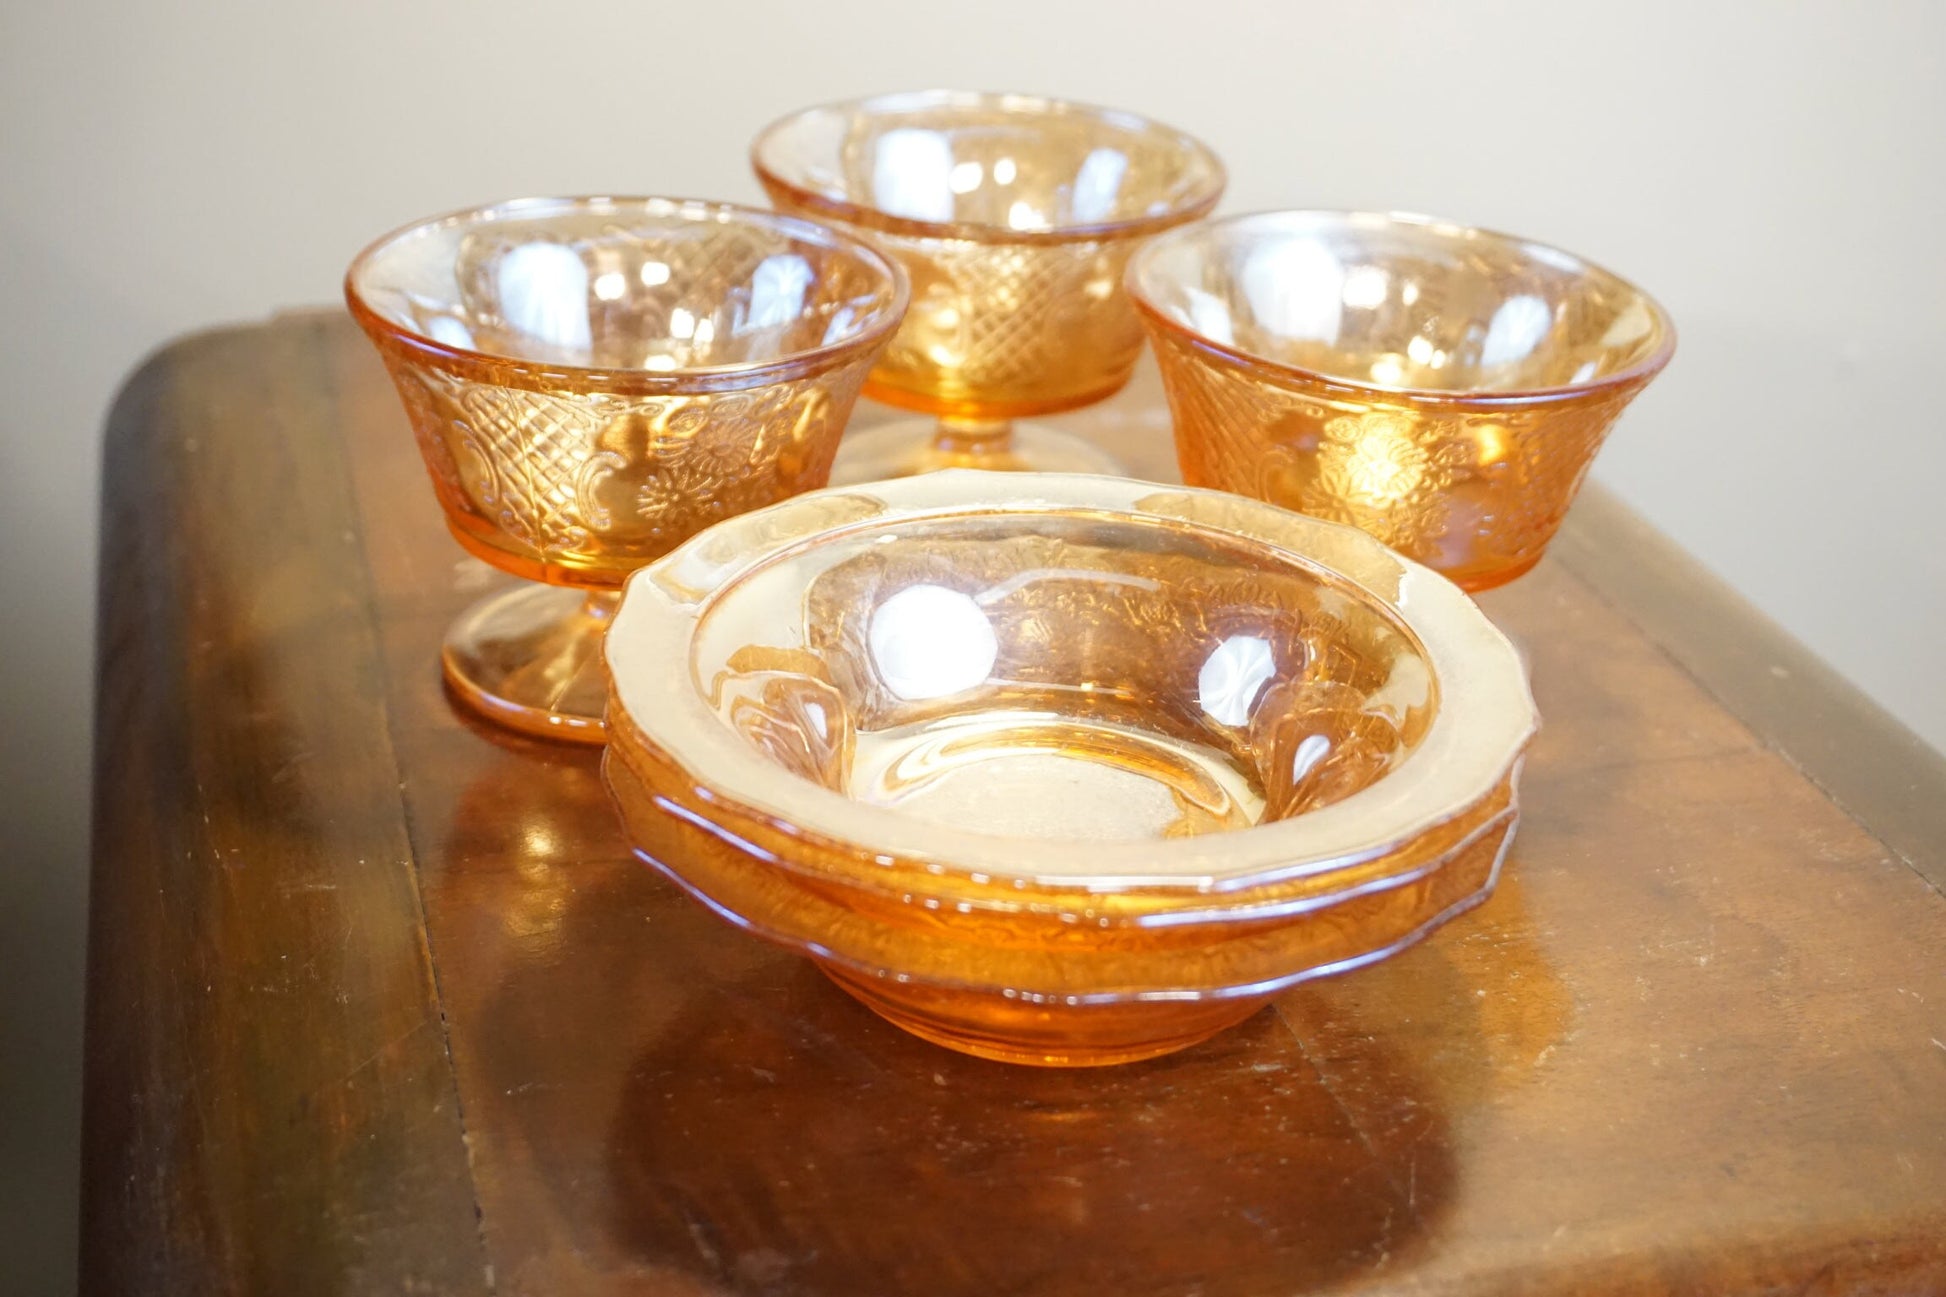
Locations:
(1063, 769)
(594, 380)
(1014, 217)
(1442, 388)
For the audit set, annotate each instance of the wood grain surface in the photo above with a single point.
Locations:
(380, 1002)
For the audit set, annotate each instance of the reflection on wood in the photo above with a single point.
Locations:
(1690, 1045)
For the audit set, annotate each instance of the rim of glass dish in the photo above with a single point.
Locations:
(1454, 768)
(1639, 371)
(796, 364)
(1195, 206)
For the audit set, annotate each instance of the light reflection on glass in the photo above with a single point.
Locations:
(1516, 329)
(1365, 286)
(839, 325)
(777, 289)
(910, 171)
(446, 329)
(1629, 326)
(543, 292)
(1493, 443)
(1296, 288)
(928, 641)
(1232, 676)
(1312, 750)
(1209, 315)
(1373, 459)
(1097, 184)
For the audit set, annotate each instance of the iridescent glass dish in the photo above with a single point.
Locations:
(1063, 769)
(594, 380)
(1014, 217)
(1440, 387)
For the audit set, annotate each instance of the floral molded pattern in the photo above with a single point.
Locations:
(1442, 388)
(593, 381)
(1475, 494)
(591, 486)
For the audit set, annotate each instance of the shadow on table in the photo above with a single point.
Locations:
(779, 1138)
(760, 1132)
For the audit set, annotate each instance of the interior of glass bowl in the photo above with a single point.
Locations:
(1400, 302)
(620, 284)
(1006, 162)
(1064, 675)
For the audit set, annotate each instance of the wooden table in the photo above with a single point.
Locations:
(379, 1002)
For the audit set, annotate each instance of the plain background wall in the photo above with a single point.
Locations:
(1775, 172)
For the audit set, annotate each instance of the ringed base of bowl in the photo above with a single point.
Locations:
(909, 447)
(988, 1025)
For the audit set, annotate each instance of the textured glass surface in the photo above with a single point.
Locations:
(593, 381)
(964, 669)
(1129, 755)
(1443, 388)
(1013, 218)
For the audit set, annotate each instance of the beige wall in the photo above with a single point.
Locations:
(1774, 172)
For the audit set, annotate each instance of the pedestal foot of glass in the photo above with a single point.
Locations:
(921, 445)
(530, 658)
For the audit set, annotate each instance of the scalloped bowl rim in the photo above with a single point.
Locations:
(1477, 736)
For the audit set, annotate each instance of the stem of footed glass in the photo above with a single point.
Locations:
(529, 657)
(923, 444)
(973, 439)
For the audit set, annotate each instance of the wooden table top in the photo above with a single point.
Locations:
(380, 1003)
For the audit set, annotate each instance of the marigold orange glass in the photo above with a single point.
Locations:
(1077, 776)
(1014, 218)
(593, 381)
(1442, 388)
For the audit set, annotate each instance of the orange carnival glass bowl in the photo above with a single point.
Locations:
(1063, 769)
(1442, 388)
(1014, 217)
(593, 381)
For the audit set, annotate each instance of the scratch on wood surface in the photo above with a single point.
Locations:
(384, 1049)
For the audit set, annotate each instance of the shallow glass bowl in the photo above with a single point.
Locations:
(1063, 769)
